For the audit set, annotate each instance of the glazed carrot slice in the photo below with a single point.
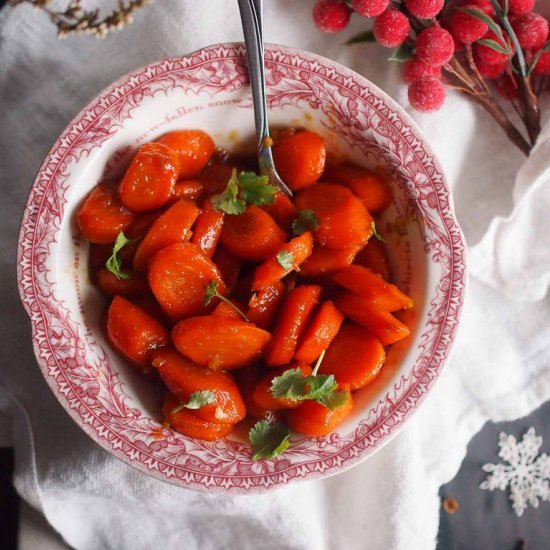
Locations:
(272, 271)
(380, 322)
(367, 284)
(111, 285)
(215, 177)
(313, 419)
(102, 216)
(343, 220)
(219, 343)
(319, 333)
(324, 261)
(282, 210)
(174, 226)
(262, 394)
(300, 158)
(149, 304)
(229, 266)
(188, 189)
(253, 235)
(374, 257)
(178, 275)
(354, 357)
(290, 324)
(223, 309)
(247, 378)
(189, 424)
(208, 228)
(195, 149)
(365, 184)
(133, 332)
(183, 378)
(150, 178)
(264, 304)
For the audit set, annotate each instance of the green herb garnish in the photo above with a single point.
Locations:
(114, 263)
(197, 400)
(268, 439)
(211, 291)
(306, 221)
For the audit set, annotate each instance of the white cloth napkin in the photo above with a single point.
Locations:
(500, 366)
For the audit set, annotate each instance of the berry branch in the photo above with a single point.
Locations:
(494, 51)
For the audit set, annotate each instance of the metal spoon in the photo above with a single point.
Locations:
(251, 18)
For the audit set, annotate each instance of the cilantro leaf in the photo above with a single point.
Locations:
(114, 262)
(256, 189)
(268, 439)
(306, 221)
(377, 235)
(320, 386)
(286, 260)
(228, 200)
(335, 399)
(197, 400)
(211, 291)
(290, 385)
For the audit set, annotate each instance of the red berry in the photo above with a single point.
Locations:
(435, 46)
(427, 94)
(331, 15)
(490, 56)
(466, 27)
(531, 30)
(519, 6)
(484, 5)
(424, 9)
(369, 8)
(507, 87)
(391, 28)
(490, 71)
(415, 69)
(543, 64)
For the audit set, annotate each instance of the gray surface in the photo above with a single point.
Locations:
(485, 519)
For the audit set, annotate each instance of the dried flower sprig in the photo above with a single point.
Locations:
(75, 19)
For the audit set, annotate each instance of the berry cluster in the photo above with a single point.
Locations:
(473, 46)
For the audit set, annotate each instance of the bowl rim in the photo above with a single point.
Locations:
(386, 431)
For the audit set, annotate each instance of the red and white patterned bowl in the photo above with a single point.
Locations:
(209, 89)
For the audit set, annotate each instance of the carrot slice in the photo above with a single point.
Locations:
(324, 261)
(272, 271)
(178, 275)
(102, 216)
(194, 147)
(343, 220)
(215, 177)
(183, 378)
(264, 304)
(247, 378)
(262, 394)
(187, 189)
(208, 228)
(229, 266)
(365, 184)
(223, 309)
(354, 357)
(189, 424)
(111, 285)
(380, 322)
(173, 226)
(253, 235)
(150, 178)
(367, 284)
(300, 158)
(282, 210)
(219, 343)
(374, 257)
(290, 324)
(319, 333)
(313, 419)
(133, 332)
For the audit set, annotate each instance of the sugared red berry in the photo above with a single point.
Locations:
(331, 15)
(435, 46)
(466, 27)
(490, 56)
(507, 87)
(427, 94)
(490, 71)
(484, 5)
(424, 9)
(543, 64)
(391, 28)
(519, 6)
(415, 69)
(531, 30)
(369, 8)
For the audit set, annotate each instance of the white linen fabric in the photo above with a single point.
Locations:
(500, 369)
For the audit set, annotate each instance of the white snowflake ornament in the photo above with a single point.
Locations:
(527, 473)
